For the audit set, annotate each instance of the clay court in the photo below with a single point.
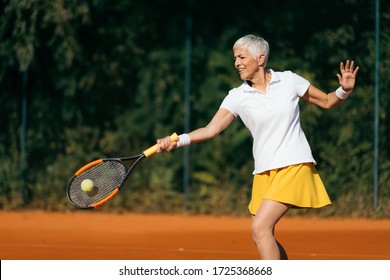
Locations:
(95, 235)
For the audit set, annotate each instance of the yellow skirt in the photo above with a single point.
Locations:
(297, 185)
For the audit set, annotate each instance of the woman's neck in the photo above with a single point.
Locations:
(261, 81)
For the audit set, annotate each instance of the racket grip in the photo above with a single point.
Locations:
(152, 150)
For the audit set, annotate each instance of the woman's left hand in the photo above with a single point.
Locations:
(348, 75)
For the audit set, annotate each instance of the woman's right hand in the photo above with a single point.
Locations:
(166, 144)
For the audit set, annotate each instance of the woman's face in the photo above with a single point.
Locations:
(246, 65)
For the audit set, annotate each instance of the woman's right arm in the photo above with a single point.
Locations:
(218, 123)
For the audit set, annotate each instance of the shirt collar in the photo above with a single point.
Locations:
(274, 79)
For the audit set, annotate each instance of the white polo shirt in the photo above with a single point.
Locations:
(273, 120)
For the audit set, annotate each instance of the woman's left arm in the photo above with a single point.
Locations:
(346, 79)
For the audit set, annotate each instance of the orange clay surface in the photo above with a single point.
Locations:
(93, 235)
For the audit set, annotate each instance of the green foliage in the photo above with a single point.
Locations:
(106, 78)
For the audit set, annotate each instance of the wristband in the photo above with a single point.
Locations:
(184, 140)
(342, 94)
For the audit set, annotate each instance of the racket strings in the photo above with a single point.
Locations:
(106, 177)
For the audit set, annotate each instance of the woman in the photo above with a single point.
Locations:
(267, 102)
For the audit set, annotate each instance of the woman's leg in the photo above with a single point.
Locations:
(263, 225)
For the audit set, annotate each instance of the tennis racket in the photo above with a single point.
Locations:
(108, 177)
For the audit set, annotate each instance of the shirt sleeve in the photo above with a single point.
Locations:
(301, 84)
(230, 103)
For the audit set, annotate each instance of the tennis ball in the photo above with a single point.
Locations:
(87, 185)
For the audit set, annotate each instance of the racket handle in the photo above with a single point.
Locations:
(152, 150)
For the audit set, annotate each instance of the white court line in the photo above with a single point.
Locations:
(198, 251)
(360, 256)
(155, 249)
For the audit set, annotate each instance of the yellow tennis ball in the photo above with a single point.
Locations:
(87, 185)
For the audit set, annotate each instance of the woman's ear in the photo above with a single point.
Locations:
(261, 60)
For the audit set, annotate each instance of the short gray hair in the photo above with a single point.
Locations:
(254, 44)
